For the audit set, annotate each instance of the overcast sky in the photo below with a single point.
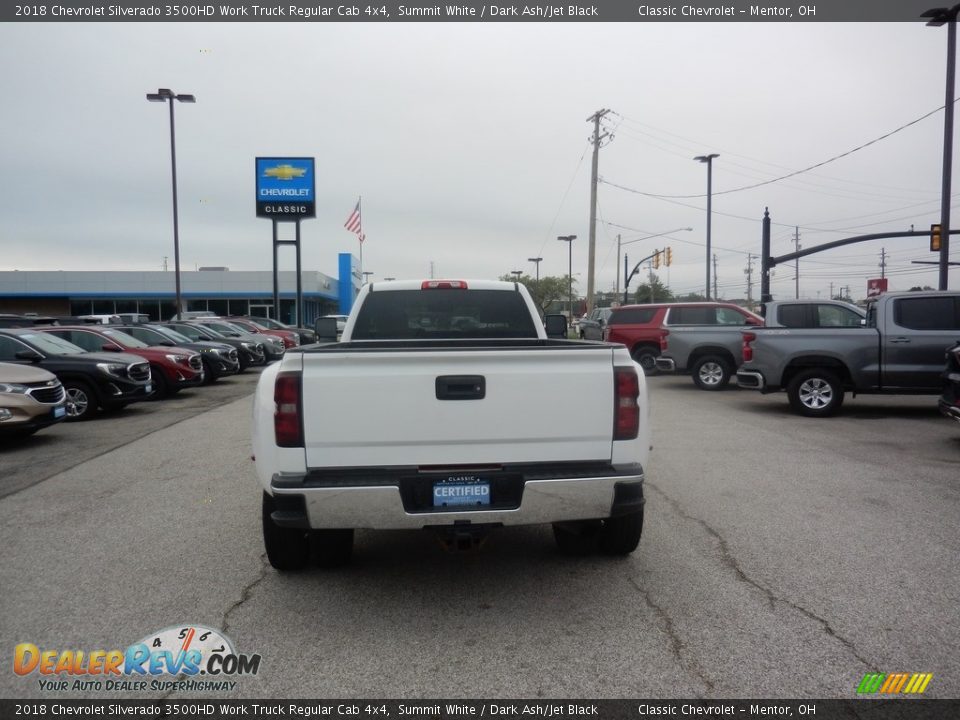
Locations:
(469, 145)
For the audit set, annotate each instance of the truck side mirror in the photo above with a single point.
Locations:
(31, 355)
(556, 326)
(326, 329)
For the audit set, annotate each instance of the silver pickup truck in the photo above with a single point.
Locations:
(712, 353)
(899, 350)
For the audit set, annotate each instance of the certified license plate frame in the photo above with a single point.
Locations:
(476, 494)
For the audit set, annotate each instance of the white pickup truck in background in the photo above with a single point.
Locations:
(446, 407)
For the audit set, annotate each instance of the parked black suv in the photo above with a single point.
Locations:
(249, 352)
(91, 380)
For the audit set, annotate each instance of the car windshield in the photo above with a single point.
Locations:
(125, 339)
(226, 328)
(171, 334)
(52, 344)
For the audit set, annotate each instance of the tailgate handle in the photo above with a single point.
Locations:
(461, 387)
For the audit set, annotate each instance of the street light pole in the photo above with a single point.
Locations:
(536, 261)
(569, 240)
(517, 274)
(165, 95)
(708, 159)
(938, 17)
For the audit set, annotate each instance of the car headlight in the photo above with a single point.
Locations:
(180, 359)
(14, 388)
(114, 369)
(246, 346)
(212, 351)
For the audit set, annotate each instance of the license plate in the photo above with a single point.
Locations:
(59, 412)
(148, 388)
(447, 494)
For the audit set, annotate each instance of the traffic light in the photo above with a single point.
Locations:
(656, 259)
(935, 238)
(669, 256)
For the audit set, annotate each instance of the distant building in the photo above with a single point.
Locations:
(153, 293)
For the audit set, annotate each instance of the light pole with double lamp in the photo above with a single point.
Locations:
(948, 17)
(167, 95)
(569, 240)
(708, 159)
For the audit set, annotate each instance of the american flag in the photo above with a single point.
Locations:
(353, 223)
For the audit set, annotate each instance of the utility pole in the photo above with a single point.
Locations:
(831, 291)
(883, 263)
(749, 273)
(716, 296)
(591, 249)
(617, 289)
(796, 263)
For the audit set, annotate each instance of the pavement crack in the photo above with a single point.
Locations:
(677, 645)
(730, 561)
(245, 593)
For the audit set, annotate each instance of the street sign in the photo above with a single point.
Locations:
(285, 188)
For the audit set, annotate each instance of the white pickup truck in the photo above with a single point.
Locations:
(446, 406)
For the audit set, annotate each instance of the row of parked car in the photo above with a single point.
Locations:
(56, 369)
(814, 350)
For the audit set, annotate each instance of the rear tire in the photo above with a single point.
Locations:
(711, 372)
(646, 357)
(81, 400)
(815, 393)
(288, 549)
(576, 538)
(620, 535)
(331, 548)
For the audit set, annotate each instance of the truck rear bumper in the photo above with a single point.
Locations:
(666, 365)
(751, 380)
(383, 507)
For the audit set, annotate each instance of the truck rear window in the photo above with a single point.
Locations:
(442, 315)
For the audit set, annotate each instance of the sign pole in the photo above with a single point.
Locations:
(276, 272)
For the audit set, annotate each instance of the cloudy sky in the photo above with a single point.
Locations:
(469, 145)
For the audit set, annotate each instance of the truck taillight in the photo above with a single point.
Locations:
(748, 337)
(663, 340)
(626, 422)
(287, 420)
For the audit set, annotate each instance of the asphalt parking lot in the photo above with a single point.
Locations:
(782, 557)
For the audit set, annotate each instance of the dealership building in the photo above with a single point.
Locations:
(223, 291)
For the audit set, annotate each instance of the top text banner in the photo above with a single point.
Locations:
(470, 11)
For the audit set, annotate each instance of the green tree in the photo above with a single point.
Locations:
(653, 291)
(546, 292)
(691, 297)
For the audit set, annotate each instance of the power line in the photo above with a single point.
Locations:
(797, 172)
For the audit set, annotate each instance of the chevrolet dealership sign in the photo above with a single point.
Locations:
(285, 188)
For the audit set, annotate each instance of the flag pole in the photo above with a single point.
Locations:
(360, 237)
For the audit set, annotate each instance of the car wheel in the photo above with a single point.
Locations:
(287, 548)
(331, 548)
(81, 400)
(161, 386)
(646, 357)
(620, 535)
(711, 372)
(815, 393)
(576, 538)
(210, 375)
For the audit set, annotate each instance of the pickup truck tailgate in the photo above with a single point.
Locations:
(503, 405)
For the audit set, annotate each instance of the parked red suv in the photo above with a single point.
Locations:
(172, 368)
(640, 327)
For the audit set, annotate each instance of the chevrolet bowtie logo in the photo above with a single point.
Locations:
(284, 172)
